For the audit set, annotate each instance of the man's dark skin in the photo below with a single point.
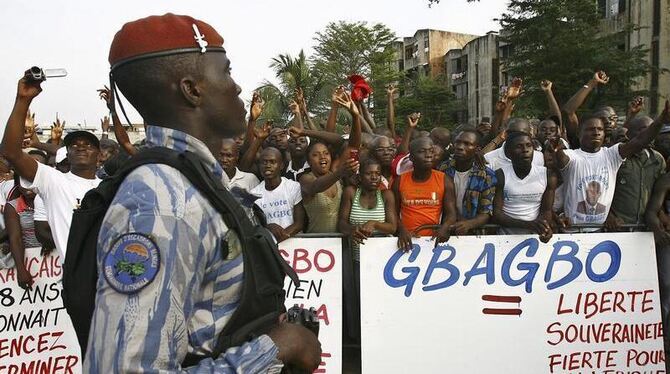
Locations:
(198, 96)
(548, 129)
(521, 154)
(297, 146)
(422, 154)
(592, 136)
(228, 156)
(466, 146)
(270, 165)
(635, 127)
(383, 150)
(441, 136)
(82, 154)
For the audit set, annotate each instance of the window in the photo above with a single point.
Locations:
(622, 6)
(602, 8)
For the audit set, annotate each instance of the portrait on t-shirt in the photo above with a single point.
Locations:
(591, 205)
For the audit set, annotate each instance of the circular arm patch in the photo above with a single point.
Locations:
(132, 263)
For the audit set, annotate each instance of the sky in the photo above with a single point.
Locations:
(76, 34)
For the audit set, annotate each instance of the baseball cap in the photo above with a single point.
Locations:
(61, 154)
(70, 137)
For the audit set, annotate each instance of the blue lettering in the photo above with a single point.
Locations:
(568, 257)
(487, 255)
(530, 268)
(444, 264)
(412, 272)
(614, 252)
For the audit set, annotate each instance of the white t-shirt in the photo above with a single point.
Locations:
(39, 210)
(590, 179)
(5, 188)
(522, 198)
(496, 159)
(278, 204)
(61, 193)
(461, 183)
(241, 179)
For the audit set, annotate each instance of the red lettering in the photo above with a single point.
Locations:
(605, 302)
(3, 347)
(322, 313)
(301, 255)
(42, 342)
(646, 301)
(560, 311)
(25, 344)
(317, 263)
(324, 355)
(590, 305)
(632, 295)
(619, 297)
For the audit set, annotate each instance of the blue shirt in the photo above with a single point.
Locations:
(195, 290)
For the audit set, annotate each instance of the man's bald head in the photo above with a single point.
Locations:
(519, 125)
(272, 151)
(441, 136)
(637, 125)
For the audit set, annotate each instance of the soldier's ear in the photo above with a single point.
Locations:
(190, 91)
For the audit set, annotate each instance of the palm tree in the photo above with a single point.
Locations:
(292, 73)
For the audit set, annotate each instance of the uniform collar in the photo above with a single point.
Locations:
(157, 136)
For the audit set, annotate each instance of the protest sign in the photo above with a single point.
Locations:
(36, 334)
(318, 263)
(511, 304)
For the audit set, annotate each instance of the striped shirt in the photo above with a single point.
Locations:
(196, 290)
(360, 215)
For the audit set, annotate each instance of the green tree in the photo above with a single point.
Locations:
(292, 73)
(561, 40)
(429, 96)
(346, 48)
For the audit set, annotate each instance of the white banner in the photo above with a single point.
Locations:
(584, 303)
(318, 263)
(36, 334)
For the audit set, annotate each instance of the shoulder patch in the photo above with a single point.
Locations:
(132, 263)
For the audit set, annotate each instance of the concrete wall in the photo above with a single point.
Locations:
(482, 76)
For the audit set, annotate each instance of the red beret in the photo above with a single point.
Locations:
(159, 35)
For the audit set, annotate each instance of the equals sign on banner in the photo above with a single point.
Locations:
(505, 311)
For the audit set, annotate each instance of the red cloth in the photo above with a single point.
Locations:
(361, 89)
(160, 33)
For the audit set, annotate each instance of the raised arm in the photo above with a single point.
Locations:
(331, 138)
(311, 185)
(255, 111)
(297, 117)
(12, 141)
(354, 143)
(576, 101)
(334, 106)
(300, 98)
(634, 107)
(412, 123)
(120, 132)
(552, 104)
(390, 116)
(645, 137)
(249, 157)
(366, 119)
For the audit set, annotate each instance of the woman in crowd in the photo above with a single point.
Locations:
(20, 226)
(367, 210)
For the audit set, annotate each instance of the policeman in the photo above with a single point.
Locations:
(175, 72)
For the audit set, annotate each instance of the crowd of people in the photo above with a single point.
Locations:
(526, 176)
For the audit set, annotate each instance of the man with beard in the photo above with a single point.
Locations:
(297, 165)
(474, 184)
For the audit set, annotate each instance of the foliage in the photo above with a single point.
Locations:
(559, 40)
(291, 73)
(346, 48)
(429, 96)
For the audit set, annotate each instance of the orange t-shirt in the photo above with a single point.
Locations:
(421, 202)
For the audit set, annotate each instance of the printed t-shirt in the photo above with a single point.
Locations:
(278, 204)
(590, 179)
(61, 193)
(421, 202)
